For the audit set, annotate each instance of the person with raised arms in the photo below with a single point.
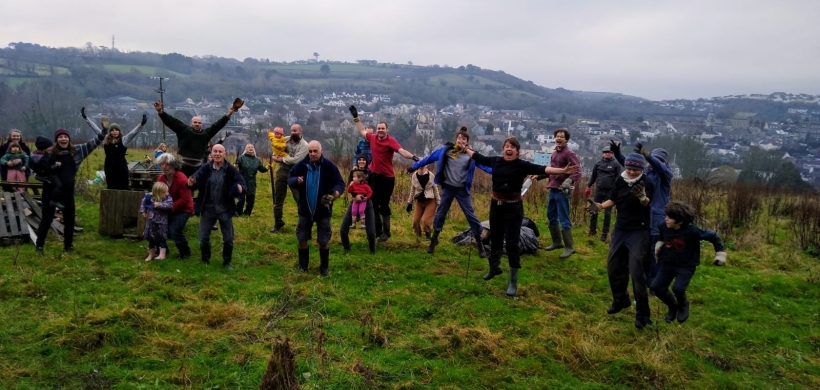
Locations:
(116, 146)
(506, 205)
(382, 148)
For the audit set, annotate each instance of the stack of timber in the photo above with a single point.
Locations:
(142, 175)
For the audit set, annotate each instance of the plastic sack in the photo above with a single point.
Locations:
(528, 243)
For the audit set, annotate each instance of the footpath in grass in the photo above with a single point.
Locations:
(104, 318)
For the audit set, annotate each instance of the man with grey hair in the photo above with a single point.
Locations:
(192, 140)
(218, 183)
(183, 202)
(319, 183)
(297, 149)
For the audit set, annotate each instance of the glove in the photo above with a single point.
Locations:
(416, 158)
(327, 200)
(615, 147)
(658, 246)
(587, 192)
(720, 258)
(640, 149)
(639, 191)
(593, 208)
(104, 122)
(566, 187)
(144, 118)
(409, 208)
(228, 133)
(354, 111)
(82, 112)
(237, 104)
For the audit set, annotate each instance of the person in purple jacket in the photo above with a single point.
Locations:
(560, 186)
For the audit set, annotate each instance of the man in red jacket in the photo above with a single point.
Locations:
(177, 184)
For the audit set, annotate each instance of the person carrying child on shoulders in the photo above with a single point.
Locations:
(678, 254)
(156, 206)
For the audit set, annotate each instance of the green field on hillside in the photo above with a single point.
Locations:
(103, 318)
(334, 68)
(144, 69)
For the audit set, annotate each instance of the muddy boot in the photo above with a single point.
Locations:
(555, 234)
(324, 261)
(304, 259)
(568, 244)
(205, 250)
(495, 268)
(433, 242)
(513, 287)
(386, 225)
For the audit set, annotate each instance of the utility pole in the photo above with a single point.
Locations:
(161, 93)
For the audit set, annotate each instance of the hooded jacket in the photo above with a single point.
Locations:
(440, 156)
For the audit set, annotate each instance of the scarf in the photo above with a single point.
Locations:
(628, 180)
(456, 151)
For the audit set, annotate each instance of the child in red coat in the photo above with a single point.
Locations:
(359, 187)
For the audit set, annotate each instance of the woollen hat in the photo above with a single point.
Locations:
(606, 149)
(660, 154)
(114, 126)
(43, 143)
(61, 132)
(635, 161)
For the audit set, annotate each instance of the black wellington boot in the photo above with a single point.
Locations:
(386, 225)
(671, 302)
(569, 247)
(555, 234)
(495, 267)
(345, 244)
(304, 259)
(482, 252)
(513, 287)
(371, 244)
(683, 307)
(324, 261)
(433, 242)
(227, 255)
(205, 250)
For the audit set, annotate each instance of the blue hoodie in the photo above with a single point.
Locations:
(439, 155)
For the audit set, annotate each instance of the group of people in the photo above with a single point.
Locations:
(653, 240)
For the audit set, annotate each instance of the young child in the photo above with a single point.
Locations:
(678, 253)
(359, 187)
(278, 142)
(156, 206)
(44, 167)
(16, 162)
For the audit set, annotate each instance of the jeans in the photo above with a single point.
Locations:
(558, 209)
(245, 203)
(448, 193)
(505, 225)
(280, 191)
(176, 231)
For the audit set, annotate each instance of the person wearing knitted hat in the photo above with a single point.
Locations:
(116, 146)
(630, 237)
(67, 158)
(658, 172)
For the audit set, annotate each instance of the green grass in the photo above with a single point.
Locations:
(330, 82)
(103, 318)
(334, 68)
(144, 69)
(14, 82)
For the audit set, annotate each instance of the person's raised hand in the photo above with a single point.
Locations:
(144, 118)
(158, 106)
(615, 147)
(82, 112)
(237, 104)
(640, 149)
(353, 111)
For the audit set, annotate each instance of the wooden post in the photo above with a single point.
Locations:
(115, 207)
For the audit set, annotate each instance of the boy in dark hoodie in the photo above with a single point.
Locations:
(44, 168)
(678, 253)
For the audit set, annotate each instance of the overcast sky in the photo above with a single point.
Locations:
(656, 49)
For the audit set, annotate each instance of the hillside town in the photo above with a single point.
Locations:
(426, 126)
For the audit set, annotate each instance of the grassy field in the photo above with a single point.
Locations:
(103, 318)
(14, 82)
(326, 83)
(144, 69)
(334, 68)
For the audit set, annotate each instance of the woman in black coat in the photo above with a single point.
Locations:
(115, 146)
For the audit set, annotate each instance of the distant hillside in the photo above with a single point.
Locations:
(98, 72)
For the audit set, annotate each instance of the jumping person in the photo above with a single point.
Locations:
(604, 174)
(320, 183)
(67, 158)
(560, 187)
(454, 173)
(382, 147)
(425, 194)
(506, 206)
(630, 238)
(296, 148)
(177, 184)
(218, 184)
(248, 165)
(369, 222)
(678, 253)
(116, 146)
(192, 140)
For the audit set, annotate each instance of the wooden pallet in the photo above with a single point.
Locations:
(142, 176)
(116, 208)
(13, 223)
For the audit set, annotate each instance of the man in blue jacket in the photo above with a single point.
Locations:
(454, 173)
(218, 183)
(320, 183)
(659, 173)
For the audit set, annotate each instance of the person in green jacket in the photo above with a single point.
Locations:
(193, 140)
(248, 164)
